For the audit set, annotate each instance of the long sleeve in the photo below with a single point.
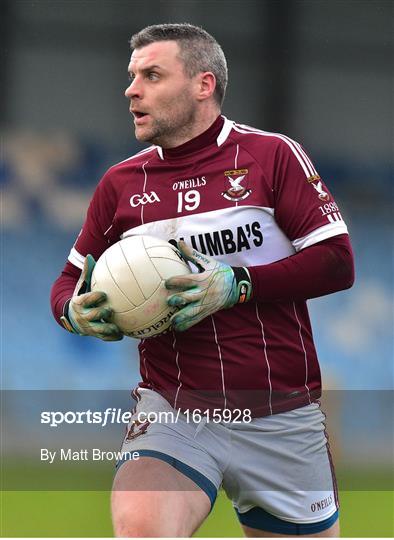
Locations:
(324, 268)
(94, 238)
(63, 289)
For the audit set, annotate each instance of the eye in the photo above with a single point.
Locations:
(131, 77)
(153, 76)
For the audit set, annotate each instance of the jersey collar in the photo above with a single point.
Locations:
(216, 133)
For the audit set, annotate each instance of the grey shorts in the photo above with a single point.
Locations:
(276, 470)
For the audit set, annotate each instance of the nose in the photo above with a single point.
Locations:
(133, 90)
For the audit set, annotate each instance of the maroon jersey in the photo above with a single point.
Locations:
(248, 198)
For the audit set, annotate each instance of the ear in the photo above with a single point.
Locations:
(206, 84)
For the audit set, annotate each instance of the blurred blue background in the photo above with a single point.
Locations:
(319, 71)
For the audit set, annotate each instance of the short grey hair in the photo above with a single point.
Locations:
(199, 51)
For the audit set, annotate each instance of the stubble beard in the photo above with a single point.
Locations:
(169, 130)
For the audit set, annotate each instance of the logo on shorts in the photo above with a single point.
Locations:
(136, 429)
(320, 505)
(236, 185)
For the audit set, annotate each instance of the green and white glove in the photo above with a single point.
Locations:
(216, 286)
(84, 315)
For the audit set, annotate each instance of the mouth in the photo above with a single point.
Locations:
(139, 117)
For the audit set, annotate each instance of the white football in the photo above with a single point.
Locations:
(132, 274)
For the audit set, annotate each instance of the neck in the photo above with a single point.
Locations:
(197, 125)
(202, 141)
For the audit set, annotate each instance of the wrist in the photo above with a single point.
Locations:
(243, 284)
(67, 320)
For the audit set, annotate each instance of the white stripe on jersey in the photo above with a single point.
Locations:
(236, 157)
(334, 217)
(227, 127)
(221, 363)
(138, 154)
(143, 190)
(266, 357)
(320, 234)
(295, 147)
(305, 156)
(236, 165)
(109, 228)
(76, 258)
(179, 370)
(144, 360)
(305, 355)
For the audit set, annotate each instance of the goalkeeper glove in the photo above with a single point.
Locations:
(84, 315)
(216, 286)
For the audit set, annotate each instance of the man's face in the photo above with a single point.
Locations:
(161, 95)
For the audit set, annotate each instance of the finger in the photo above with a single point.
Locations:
(176, 301)
(192, 255)
(83, 283)
(110, 337)
(183, 283)
(106, 329)
(187, 317)
(181, 299)
(88, 267)
(90, 262)
(85, 269)
(114, 337)
(98, 314)
(202, 261)
(90, 299)
(186, 250)
(98, 329)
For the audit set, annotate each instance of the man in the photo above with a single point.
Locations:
(265, 235)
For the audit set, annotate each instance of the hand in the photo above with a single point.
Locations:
(216, 286)
(86, 316)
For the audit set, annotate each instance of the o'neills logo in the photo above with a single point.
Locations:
(236, 185)
(320, 505)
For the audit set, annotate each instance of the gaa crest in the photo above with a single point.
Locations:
(236, 185)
